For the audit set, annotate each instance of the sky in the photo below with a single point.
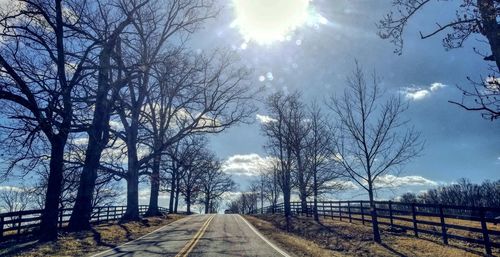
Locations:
(316, 58)
(317, 55)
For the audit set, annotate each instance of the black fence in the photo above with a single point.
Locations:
(476, 225)
(26, 223)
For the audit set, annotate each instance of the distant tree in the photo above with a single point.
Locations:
(408, 198)
(472, 17)
(14, 199)
(271, 188)
(461, 193)
(373, 138)
(214, 183)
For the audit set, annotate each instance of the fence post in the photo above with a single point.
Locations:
(331, 209)
(61, 212)
(390, 214)
(107, 214)
(1, 227)
(362, 212)
(443, 225)
(19, 226)
(349, 210)
(414, 215)
(486, 236)
(340, 212)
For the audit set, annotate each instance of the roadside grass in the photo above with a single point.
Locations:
(102, 237)
(340, 238)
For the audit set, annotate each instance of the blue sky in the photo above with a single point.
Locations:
(317, 59)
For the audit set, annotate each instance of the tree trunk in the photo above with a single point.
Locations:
(207, 204)
(316, 216)
(98, 139)
(82, 209)
(172, 193)
(373, 213)
(177, 193)
(155, 188)
(188, 202)
(132, 212)
(48, 226)
(286, 203)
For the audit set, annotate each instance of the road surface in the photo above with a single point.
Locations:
(201, 235)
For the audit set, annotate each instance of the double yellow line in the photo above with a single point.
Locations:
(190, 245)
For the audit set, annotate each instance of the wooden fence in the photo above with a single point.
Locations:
(476, 225)
(25, 223)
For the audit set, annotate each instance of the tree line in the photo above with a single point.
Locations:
(98, 91)
(461, 193)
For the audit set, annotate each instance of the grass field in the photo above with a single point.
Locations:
(340, 238)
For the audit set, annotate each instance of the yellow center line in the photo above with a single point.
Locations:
(190, 245)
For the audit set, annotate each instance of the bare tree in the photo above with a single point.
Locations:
(14, 199)
(473, 17)
(106, 29)
(42, 63)
(202, 95)
(319, 156)
(185, 164)
(373, 138)
(214, 183)
(279, 147)
(271, 188)
(297, 130)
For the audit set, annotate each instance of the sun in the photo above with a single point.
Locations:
(267, 21)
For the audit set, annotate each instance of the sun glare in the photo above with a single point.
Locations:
(267, 21)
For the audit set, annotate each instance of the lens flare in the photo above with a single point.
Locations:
(267, 21)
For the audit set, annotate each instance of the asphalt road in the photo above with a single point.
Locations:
(201, 235)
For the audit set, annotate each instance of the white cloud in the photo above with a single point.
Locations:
(395, 181)
(11, 188)
(436, 86)
(264, 118)
(419, 93)
(246, 164)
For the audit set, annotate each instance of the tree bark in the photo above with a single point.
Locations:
(132, 212)
(207, 203)
(188, 202)
(373, 213)
(173, 189)
(48, 226)
(286, 203)
(177, 193)
(155, 188)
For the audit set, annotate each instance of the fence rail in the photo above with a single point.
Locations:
(24, 223)
(477, 225)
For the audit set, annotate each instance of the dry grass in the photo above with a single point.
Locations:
(101, 238)
(345, 239)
